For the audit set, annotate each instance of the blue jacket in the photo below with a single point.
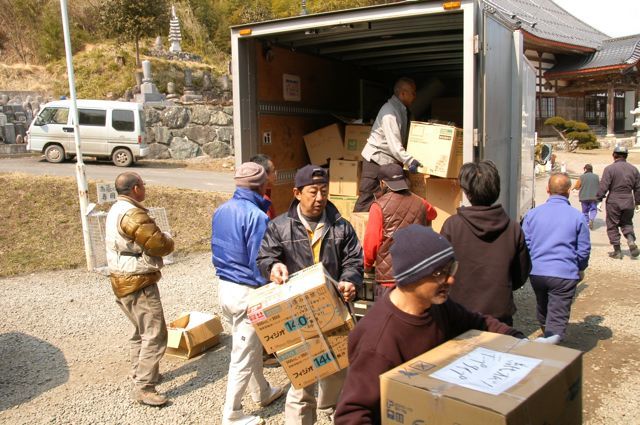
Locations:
(558, 239)
(237, 229)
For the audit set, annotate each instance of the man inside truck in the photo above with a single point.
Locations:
(387, 142)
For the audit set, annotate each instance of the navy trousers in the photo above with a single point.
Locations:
(554, 297)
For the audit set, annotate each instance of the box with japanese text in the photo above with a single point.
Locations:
(344, 177)
(325, 144)
(486, 378)
(301, 308)
(443, 194)
(316, 358)
(355, 137)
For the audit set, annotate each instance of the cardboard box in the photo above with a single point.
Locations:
(540, 385)
(355, 137)
(316, 358)
(192, 334)
(444, 194)
(437, 147)
(359, 222)
(344, 177)
(284, 315)
(344, 204)
(325, 144)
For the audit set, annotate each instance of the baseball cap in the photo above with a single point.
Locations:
(393, 176)
(310, 174)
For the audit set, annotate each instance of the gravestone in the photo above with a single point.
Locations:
(171, 90)
(148, 90)
(189, 94)
(9, 133)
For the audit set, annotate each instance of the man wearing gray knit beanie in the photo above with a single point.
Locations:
(237, 229)
(407, 321)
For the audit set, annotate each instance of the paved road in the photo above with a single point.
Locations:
(183, 178)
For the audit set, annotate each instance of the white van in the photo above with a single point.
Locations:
(108, 130)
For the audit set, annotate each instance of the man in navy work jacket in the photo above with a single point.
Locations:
(238, 226)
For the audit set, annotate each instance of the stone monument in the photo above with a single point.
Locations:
(636, 125)
(171, 91)
(148, 90)
(189, 94)
(174, 32)
(158, 44)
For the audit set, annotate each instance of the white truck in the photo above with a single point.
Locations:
(292, 76)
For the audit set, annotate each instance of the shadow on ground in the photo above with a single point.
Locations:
(29, 367)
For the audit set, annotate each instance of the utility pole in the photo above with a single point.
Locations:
(81, 178)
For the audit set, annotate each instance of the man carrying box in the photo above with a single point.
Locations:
(387, 142)
(312, 231)
(396, 208)
(409, 320)
(237, 229)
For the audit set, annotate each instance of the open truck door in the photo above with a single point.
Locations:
(506, 111)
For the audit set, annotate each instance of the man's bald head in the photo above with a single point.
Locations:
(126, 181)
(559, 184)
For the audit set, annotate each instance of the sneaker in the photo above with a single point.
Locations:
(553, 339)
(276, 393)
(616, 255)
(633, 249)
(149, 397)
(239, 418)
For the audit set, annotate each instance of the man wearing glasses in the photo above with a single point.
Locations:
(409, 320)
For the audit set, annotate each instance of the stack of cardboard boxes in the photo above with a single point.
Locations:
(437, 147)
(305, 323)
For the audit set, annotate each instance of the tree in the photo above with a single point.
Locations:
(575, 134)
(132, 19)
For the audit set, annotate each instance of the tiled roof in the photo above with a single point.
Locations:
(618, 53)
(551, 22)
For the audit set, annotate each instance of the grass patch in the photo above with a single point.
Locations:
(41, 228)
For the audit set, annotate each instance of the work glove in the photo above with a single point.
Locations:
(413, 166)
(553, 339)
(637, 208)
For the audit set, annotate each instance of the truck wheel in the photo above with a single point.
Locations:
(122, 157)
(54, 153)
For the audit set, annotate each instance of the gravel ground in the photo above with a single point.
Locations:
(63, 344)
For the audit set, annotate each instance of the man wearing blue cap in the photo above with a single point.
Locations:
(621, 185)
(409, 320)
(311, 232)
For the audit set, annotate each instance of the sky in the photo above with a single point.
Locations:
(615, 18)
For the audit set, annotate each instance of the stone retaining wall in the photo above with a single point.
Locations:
(187, 131)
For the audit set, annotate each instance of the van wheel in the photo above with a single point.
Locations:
(122, 157)
(54, 153)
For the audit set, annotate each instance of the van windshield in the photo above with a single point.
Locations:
(53, 116)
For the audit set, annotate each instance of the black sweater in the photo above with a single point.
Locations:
(388, 337)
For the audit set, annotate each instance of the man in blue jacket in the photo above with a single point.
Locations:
(236, 234)
(559, 244)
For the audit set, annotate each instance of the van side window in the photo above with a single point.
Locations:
(95, 117)
(122, 120)
(54, 115)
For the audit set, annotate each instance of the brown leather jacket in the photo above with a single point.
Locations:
(135, 247)
(398, 210)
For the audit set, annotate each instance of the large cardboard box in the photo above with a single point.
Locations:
(359, 222)
(486, 378)
(325, 144)
(316, 358)
(444, 194)
(344, 177)
(355, 137)
(308, 303)
(344, 204)
(438, 148)
(193, 333)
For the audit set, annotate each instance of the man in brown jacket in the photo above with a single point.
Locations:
(135, 246)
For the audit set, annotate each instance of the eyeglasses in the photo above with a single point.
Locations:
(447, 271)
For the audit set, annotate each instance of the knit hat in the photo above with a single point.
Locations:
(393, 176)
(250, 175)
(310, 174)
(417, 251)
